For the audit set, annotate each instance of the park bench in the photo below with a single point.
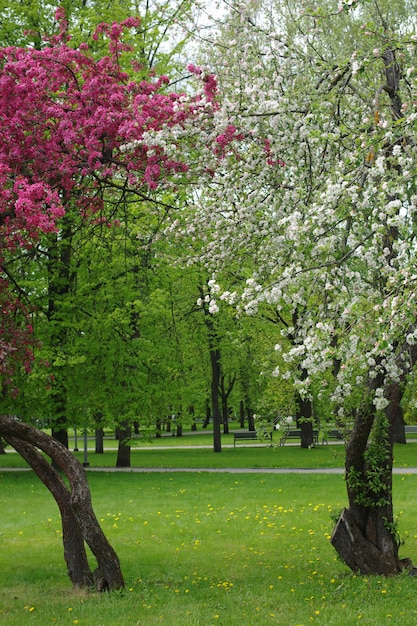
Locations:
(333, 433)
(296, 434)
(410, 430)
(248, 434)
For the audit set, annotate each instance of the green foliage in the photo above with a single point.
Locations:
(157, 43)
(264, 430)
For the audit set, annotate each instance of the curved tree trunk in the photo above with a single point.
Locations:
(72, 536)
(79, 517)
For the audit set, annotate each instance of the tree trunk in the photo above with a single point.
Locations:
(124, 433)
(99, 436)
(304, 415)
(99, 433)
(191, 412)
(59, 431)
(2, 449)
(225, 420)
(365, 556)
(365, 535)
(79, 519)
(72, 535)
(251, 419)
(242, 414)
(215, 362)
(396, 414)
(215, 401)
(158, 433)
(225, 391)
(208, 414)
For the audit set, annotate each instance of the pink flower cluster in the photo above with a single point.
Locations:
(224, 140)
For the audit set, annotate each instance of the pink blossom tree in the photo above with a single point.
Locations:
(73, 130)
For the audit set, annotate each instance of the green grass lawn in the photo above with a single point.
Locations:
(201, 549)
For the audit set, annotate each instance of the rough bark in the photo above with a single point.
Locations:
(360, 554)
(79, 509)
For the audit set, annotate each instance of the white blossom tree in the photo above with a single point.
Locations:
(313, 206)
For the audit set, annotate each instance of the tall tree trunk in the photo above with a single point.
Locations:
(208, 414)
(242, 414)
(251, 419)
(225, 391)
(99, 437)
(215, 363)
(304, 414)
(304, 418)
(193, 422)
(215, 400)
(124, 435)
(99, 433)
(365, 534)
(396, 414)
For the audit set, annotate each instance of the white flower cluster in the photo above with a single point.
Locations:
(328, 240)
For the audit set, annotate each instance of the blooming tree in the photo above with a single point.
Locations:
(326, 242)
(75, 131)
